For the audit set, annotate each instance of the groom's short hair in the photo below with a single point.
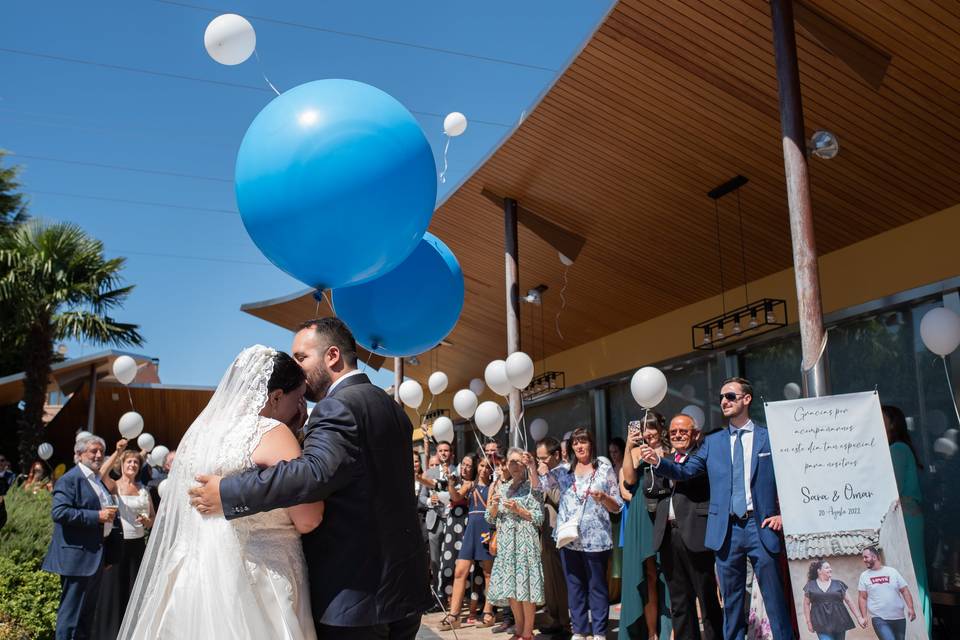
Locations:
(334, 333)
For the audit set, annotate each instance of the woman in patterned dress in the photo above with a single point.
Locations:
(516, 508)
(589, 493)
(460, 487)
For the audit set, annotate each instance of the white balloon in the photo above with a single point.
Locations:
(411, 393)
(45, 451)
(538, 429)
(649, 387)
(477, 386)
(465, 403)
(688, 392)
(951, 434)
(146, 442)
(125, 369)
(940, 330)
(489, 418)
(444, 497)
(131, 424)
(230, 39)
(496, 377)
(443, 429)
(791, 391)
(454, 124)
(437, 382)
(81, 435)
(162, 488)
(696, 413)
(158, 455)
(519, 369)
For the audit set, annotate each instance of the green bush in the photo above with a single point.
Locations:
(28, 596)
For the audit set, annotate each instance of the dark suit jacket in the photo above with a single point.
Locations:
(691, 503)
(77, 545)
(713, 458)
(367, 561)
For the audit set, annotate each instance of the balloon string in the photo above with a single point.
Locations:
(130, 397)
(443, 174)
(480, 444)
(953, 398)
(563, 302)
(263, 73)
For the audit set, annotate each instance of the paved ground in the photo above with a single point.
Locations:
(430, 630)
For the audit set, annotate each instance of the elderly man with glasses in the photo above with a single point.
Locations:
(744, 521)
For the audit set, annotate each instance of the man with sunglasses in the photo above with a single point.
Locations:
(678, 534)
(743, 522)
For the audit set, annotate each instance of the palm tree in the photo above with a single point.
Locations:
(58, 284)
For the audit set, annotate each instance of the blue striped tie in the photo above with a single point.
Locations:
(738, 498)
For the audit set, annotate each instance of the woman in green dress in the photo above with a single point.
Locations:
(907, 469)
(516, 508)
(645, 606)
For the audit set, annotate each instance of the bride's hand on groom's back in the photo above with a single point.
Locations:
(206, 497)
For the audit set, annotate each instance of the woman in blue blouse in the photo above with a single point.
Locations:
(589, 493)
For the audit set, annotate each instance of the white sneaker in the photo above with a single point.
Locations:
(578, 636)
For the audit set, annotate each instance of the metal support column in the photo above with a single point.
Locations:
(92, 400)
(512, 270)
(812, 337)
(397, 378)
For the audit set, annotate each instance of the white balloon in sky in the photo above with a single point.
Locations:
(454, 124)
(230, 39)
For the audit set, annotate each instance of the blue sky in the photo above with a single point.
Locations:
(124, 125)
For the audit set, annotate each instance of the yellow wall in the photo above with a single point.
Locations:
(915, 254)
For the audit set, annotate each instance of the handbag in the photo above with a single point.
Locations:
(569, 531)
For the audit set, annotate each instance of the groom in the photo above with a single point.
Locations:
(367, 562)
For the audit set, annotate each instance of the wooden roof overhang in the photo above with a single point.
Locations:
(668, 99)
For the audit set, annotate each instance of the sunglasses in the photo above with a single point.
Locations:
(676, 433)
(731, 396)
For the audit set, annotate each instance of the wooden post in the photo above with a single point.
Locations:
(810, 312)
(512, 270)
(92, 400)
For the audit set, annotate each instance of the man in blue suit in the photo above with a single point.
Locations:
(367, 564)
(743, 520)
(86, 536)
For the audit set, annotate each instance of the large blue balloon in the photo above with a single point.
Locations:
(410, 309)
(336, 183)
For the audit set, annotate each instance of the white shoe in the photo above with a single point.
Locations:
(578, 636)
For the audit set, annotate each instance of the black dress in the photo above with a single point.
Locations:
(828, 613)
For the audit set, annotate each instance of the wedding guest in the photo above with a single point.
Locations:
(884, 597)
(589, 493)
(136, 512)
(38, 479)
(554, 583)
(85, 537)
(516, 508)
(159, 475)
(436, 478)
(459, 488)
(744, 520)
(826, 604)
(643, 610)
(615, 451)
(472, 553)
(422, 491)
(679, 531)
(907, 468)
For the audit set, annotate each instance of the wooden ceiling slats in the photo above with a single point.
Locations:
(669, 99)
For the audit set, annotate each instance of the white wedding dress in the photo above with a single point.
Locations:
(204, 576)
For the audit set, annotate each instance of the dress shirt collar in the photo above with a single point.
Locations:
(745, 428)
(333, 386)
(87, 472)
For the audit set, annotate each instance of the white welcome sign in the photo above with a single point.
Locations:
(832, 463)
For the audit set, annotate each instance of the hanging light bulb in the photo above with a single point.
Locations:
(753, 319)
(706, 336)
(736, 324)
(720, 335)
(771, 318)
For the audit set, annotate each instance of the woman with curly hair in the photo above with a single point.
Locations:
(826, 604)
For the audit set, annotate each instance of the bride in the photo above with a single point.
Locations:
(205, 577)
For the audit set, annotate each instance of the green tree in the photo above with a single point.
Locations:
(13, 211)
(57, 284)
